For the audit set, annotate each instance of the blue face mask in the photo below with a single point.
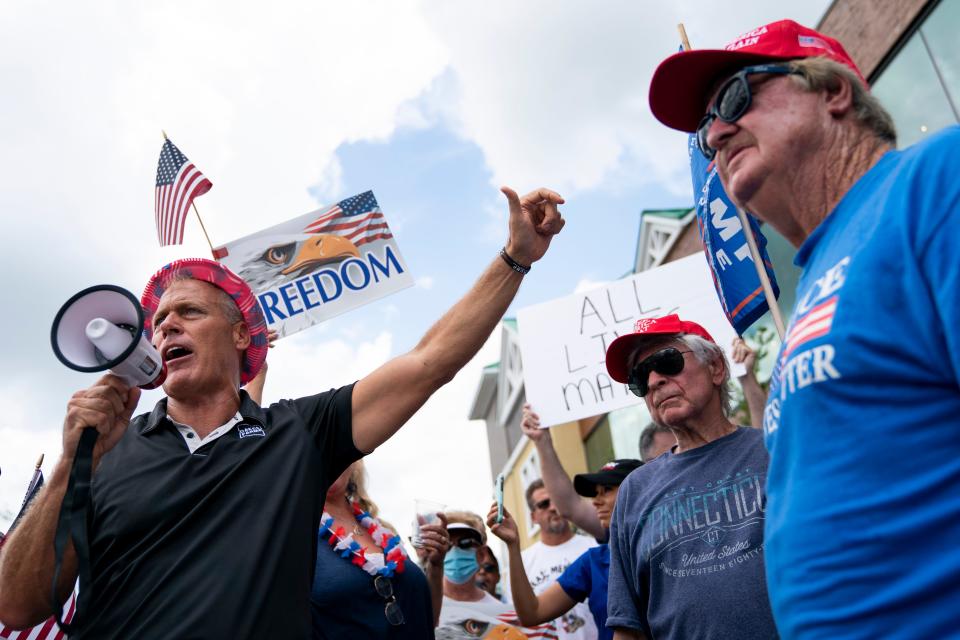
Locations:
(460, 565)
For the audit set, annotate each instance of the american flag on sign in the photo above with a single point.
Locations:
(178, 183)
(357, 218)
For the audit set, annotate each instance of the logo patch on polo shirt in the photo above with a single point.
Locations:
(249, 431)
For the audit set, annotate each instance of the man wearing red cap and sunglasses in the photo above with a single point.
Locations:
(204, 512)
(686, 537)
(864, 482)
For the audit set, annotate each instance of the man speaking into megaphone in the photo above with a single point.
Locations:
(204, 511)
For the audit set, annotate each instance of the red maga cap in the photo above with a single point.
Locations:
(680, 85)
(225, 279)
(620, 349)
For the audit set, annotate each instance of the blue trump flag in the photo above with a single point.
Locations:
(734, 275)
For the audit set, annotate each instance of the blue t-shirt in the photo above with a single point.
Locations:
(587, 578)
(863, 418)
(686, 544)
(345, 604)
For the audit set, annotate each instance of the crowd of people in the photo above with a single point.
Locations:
(213, 517)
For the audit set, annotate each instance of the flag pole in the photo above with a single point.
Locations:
(194, 205)
(762, 273)
(751, 240)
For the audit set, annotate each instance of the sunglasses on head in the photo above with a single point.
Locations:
(666, 362)
(732, 101)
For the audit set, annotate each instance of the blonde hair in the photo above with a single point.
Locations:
(467, 518)
(357, 489)
(819, 73)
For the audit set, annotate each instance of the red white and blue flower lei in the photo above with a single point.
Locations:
(394, 557)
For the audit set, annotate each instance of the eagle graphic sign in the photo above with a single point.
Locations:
(320, 264)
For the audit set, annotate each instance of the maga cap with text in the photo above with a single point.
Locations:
(681, 85)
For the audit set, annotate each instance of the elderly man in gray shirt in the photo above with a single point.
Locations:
(686, 538)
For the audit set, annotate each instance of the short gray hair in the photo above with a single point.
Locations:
(709, 352)
(819, 73)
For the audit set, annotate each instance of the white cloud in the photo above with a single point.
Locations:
(556, 93)
(439, 454)
(300, 365)
(425, 282)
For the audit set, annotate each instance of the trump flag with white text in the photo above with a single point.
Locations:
(734, 276)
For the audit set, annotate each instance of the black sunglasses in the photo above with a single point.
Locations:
(489, 567)
(543, 504)
(733, 100)
(467, 543)
(666, 362)
(385, 590)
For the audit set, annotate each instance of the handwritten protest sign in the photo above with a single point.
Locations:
(564, 342)
(320, 264)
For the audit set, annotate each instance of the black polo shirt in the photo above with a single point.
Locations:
(220, 543)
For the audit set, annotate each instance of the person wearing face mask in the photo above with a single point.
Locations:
(586, 577)
(468, 611)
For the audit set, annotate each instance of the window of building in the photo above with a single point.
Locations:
(599, 445)
(920, 84)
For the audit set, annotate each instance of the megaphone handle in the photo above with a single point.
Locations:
(72, 523)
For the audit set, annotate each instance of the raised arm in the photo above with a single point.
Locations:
(531, 608)
(558, 484)
(384, 400)
(754, 394)
(26, 558)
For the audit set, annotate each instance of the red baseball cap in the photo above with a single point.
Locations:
(620, 349)
(680, 85)
(225, 279)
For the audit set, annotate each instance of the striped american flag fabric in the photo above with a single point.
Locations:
(357, 218)
(45, 631)
(178, 183)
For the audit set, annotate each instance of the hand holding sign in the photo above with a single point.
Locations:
(534, 220)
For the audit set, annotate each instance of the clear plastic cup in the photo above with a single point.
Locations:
(426, 513)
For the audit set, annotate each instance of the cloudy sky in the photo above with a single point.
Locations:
(286, 107)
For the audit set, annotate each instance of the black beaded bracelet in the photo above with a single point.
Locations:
(513, 264)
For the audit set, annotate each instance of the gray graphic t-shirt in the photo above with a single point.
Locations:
(686, 544)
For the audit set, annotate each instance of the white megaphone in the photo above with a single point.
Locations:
(102, 328)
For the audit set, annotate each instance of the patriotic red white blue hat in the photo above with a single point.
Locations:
(680, 87)
(611, 474)
(619, 351)
(222, 277)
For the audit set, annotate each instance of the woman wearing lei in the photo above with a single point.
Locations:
(364, 584)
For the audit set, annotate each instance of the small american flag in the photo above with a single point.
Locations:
(46, 630)
(178, 183)
(357, 218)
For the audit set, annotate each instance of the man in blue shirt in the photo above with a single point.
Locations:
(861, 421)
